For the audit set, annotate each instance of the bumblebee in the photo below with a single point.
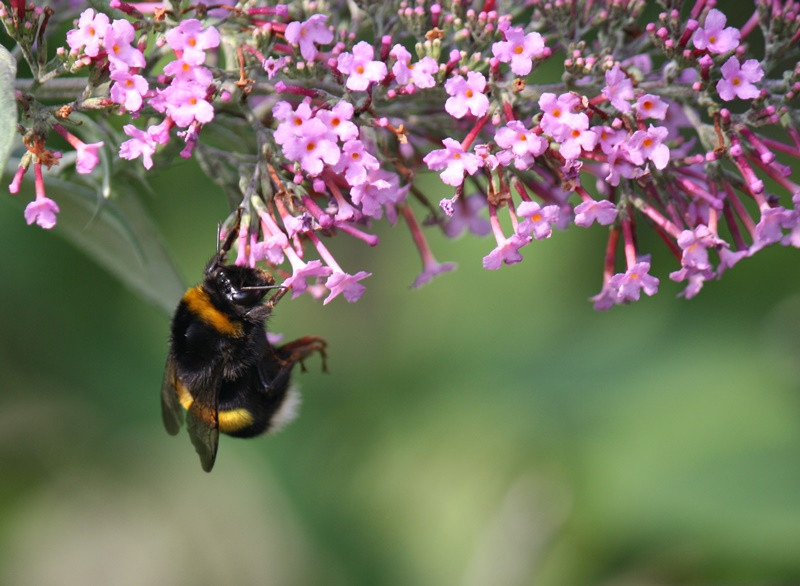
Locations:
(221, 370)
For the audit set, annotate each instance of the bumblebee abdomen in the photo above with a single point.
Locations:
(247, 406)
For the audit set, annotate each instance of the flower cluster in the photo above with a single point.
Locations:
(671, 126)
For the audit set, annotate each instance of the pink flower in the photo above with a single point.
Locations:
(86, 154)
(538, 220)
(117, 43)
(713, 36)
(648, 144)
(432, 268)
(650, 106)
(695, 277)
(519, 49)
(695, 244)
(302, 271)
(292, 121)
(559, 113)
(419, 74)
(769, 229)
(629, 284)
(579, 138)
(128, 89)
(184, 72)
(43, 211)
(466, 95)
(272, 65)
(89, 34)
(314, 148)
(454, 160)
(186, 103)
(87, 157)
(308, 33)
(618, 89)
(520, 143)
(380, 190)
(337, 119)
(142, 144)
(190, 41)
(587, 212)
(347, 285)
(506, 252)
(464, 215)
(738, 81)
(356, 163)
(360, 68)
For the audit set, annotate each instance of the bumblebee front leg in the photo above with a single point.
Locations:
(300, 349)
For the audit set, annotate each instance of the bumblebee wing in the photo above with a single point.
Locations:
(171, 409)
(202, 420)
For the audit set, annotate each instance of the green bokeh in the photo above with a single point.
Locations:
(489, 428)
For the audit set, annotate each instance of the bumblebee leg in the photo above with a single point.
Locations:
(277, 297)
(300, 349)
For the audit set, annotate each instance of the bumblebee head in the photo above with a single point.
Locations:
(241, 287)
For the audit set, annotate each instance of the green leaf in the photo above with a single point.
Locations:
(120, 236)
(8, 104)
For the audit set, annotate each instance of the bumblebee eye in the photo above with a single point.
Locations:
(246, 298)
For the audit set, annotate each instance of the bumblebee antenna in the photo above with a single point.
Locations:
(261, 287)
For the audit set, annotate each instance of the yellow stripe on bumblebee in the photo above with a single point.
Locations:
(199, 303)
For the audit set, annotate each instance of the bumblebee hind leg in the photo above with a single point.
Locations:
(300, 349)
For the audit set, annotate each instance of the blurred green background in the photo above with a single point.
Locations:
(489, 428)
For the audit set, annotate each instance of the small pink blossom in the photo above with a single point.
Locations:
(695, 278)
(117, 43)
(381, 191)
(587, 212)
(89, 34)
(466, 95)
(506, 252)
(454, 160)
(738, 80)
(143, 143)
(191, 41)
(292, 121)
(42, 210)
(419, 74)
(648, 144)
(347, 285)
(87, 157)
(356, 163)
(360, 68)
(628, 285)
(579, 138)
(465, 216)
(338, 121)
(769, 229)
(537, 221)
(308, 33)
(521, 144)
(559, 113)
(298, 282)
(618, 89)
(186, 103)
(272, 65)
(313, 149)
(695, 244)
(650, 106)
(714, 36)
(128, 89)
(519, 49)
